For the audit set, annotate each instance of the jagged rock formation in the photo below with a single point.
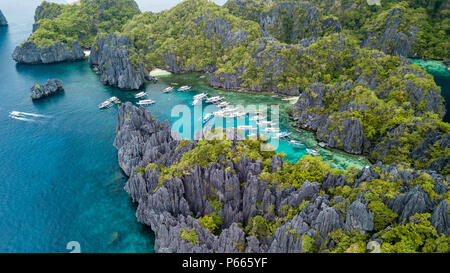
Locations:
(212, 27)
(270, 65)
(289, 21)
(171, 205)
(51, 87)
(112, 55)
(391, 40)
(30, 53)
(341, 129)
(3, 21)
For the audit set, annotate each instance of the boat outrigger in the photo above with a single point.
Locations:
(224, 104)
(312, 152)
(108, 103)
(285, 134)
(246, 127)
(296, 142)
(105, 104)
(168, 89)
(215, 99)
(256, 118)
(140, 95)
(200, 96)
(113, 99)
(184, 88)
(146, 102)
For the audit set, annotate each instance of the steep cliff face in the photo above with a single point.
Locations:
(112, 55)
(392, 40)
(287, 21)
(30, 53)
(270, 62)
(174, 205)
(3, 21)
(211, 28)
(344, 116)
(334, 129)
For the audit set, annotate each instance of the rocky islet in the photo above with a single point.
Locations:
(51, 87)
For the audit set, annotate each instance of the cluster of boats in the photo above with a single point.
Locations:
(226, 111)
(109, 103)
(143, 102)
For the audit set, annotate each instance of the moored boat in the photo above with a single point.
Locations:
(105, 104)
(200, 96)
(168, 89)
(214, 99)
(140, 95)
(224, 104)
(312, 152)
(296, 142)
(146, 102)
(184, 88)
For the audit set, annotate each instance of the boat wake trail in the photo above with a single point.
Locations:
(23, 116)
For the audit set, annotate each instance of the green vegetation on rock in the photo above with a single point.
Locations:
(81, 22)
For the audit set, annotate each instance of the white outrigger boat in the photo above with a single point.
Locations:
(271, 130)
(140, 95)
(256, 118)
(146, 102)
(184, 88)
(113, 99)
(168, 89)
(214, 99)
(236, 114)
(289, 99)
(200, 96)
(246, 127)
(108, 103)
(265, 123)
(105, 104)
(312, 152)
(224, 104)
(296, 142)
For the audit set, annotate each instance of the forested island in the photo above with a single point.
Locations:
(347, 61)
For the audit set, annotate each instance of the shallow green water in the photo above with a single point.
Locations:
(336, 159)
(441, 77)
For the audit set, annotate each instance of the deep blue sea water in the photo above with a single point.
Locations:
(60, 180)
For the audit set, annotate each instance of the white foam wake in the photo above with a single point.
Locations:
(23, 119)
(24, 116)
(19, 114)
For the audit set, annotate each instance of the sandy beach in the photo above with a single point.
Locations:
(159, 72)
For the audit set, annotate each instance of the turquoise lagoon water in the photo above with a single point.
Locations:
(60, 180)
(441, 77)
